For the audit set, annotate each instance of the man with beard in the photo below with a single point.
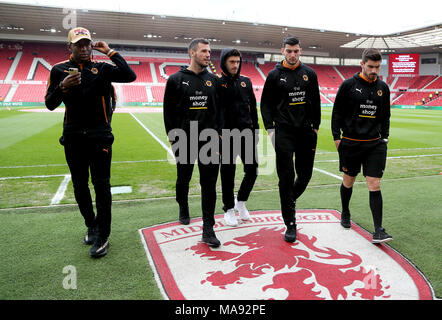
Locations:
(291, 112)
(190, 99)
(361, 112)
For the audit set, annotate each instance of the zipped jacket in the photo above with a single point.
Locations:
(88, 106)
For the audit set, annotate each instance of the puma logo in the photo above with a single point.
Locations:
(284, 79)
(359, 90)
(186, 83)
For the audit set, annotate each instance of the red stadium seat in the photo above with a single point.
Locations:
(37, 58)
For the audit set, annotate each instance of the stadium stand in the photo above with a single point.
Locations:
(158, 93)
(6, 57)
(142, 70)
(402, 83)
(435, 102)
(412, 98)
(347, 71)
(330, 93)
(28, 65)
(420, 81)
(134, 93)
(327, 76)
(267, 67)
(4, 89)
(436, 84)
(30, 93)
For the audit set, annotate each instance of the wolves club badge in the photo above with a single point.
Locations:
(208, 83)
(254, 262)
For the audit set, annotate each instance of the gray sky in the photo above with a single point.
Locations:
(353, 16)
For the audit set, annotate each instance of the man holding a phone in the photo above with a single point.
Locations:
(85, 88)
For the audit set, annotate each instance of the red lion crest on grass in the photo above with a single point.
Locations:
(303, 269)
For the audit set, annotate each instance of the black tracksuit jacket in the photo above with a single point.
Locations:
(290, 98)
(191, 97)
(237, 99)
(361, 110)
(88, 105)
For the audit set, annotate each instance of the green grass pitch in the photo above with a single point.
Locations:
(39, 240)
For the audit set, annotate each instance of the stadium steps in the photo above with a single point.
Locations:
(34, 65)
(437, 79)
(435, 102)
(395, 80)
(149, 93)
(11, 93)
(261, 73)
(325, 97)
(153, 72)
(397, 97)
(14, 66)
(339, 73)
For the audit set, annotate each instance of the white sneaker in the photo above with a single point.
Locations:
(230, 218)
(240, 206)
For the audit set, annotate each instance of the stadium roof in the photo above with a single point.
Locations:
(51, 23)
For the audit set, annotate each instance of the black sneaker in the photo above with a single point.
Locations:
(90, 236)
(380, 236)
(209, 238)
(100, 247)
(345, 220)
(184, 215)
(290, 233)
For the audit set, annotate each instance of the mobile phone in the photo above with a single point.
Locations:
(73, 71)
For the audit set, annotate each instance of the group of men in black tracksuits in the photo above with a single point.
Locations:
(202, 109)
(291, 113)
(195, 98)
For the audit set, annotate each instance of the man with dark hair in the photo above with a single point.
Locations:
(241, 121)
(291, 112)
(291, 41)
(361, 112)
(190, 99)
(85, 87)
(371, 54)
(193, 45)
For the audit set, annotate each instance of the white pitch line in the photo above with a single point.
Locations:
(154, 136)
(64, 164)
(416, 156)
(59, 195)
(40, 176)
(328, 173)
